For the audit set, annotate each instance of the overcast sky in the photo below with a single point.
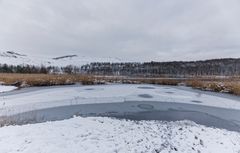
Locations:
(133, 30)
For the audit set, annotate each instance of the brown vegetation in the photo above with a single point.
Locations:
(170, 82)
(234, 88)
(23, 80)
(228, 85)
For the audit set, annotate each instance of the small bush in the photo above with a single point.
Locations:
(217, 87)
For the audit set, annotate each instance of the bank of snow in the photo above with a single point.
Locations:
(108, 135)
(6, 88)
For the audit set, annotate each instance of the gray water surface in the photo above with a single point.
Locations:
(136, 110)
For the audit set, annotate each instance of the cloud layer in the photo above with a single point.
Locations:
(133, 30)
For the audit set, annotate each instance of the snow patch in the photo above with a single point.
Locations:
(7, 88)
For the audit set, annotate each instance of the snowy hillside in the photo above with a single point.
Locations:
(15, 58)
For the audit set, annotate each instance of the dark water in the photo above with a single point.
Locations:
(144, 87)
(136, 110)
(174, 115)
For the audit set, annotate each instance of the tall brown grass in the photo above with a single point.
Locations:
(234, 88)
(230, 85)
(227, 85)
(43, 79)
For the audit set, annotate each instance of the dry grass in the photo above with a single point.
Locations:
(196, 83)
(63, 79)
(229, 85)
(170, 82)
(44, 79)
(234, 88)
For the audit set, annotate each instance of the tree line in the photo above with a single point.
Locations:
(218, 67)
(31, 69)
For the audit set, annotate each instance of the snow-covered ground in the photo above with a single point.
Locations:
(6, 88)
(105, 135)
(108, 135)
(22, 59)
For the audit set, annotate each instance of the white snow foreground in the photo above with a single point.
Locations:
(106, 135)
(6, 88)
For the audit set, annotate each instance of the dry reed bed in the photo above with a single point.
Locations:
(23, 80)
(229, 85)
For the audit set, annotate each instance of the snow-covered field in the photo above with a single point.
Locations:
(107, 135)
(6, 88)
(22, 59)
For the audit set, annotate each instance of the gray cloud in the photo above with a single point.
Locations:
(130, 29)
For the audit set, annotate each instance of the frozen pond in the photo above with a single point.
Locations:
(147, 110)
(134, 102)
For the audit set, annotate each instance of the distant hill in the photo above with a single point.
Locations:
(16, 58)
